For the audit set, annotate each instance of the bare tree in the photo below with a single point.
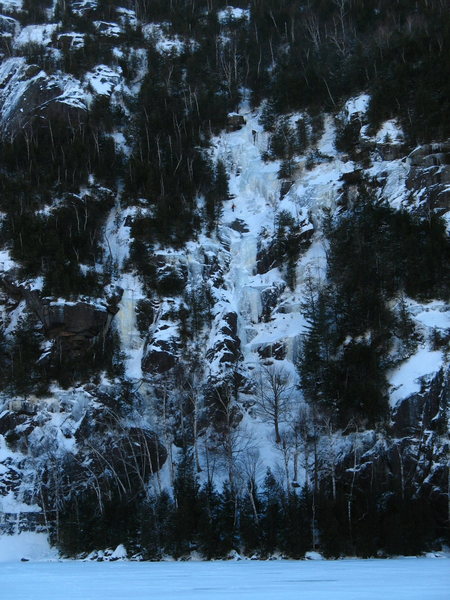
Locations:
(274, 387)
(330, 451)
(250, 465)
(230, 439)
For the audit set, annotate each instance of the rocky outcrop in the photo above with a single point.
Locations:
(162, 346)
(235, 122)
(226, 350)
(430, 155)
(274, 254)
(159, 357)
(429, 175)
(425, 410)
(76, 323)
(276, 351)
(28, 94)
(8, 25)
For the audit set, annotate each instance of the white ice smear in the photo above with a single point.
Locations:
(399, 579)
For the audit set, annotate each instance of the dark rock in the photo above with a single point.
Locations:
(430, 155)
(75, 324)
(219, 396)
(277, 351)
(10, 420)
(157, 360)
(425, 410)
(285, 187)
(235, 122)
(113, 299)
(231, 319)
(239, 225)
(102, 430)
(227, 348)
(352, 177)
(429, 176)
(7, 24)
(80, 319)
(269, 299)
(70, 41)
(419, 178)
(408, 415)
(42, 100)
(391, 151)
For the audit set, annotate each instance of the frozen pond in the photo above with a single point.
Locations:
(398, 579)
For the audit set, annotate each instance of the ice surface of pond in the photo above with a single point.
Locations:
(399, 579)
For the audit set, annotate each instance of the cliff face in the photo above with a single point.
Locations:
(162, 301)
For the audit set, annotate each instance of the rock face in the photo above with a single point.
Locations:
(7, 25)
(27, 93)
(429, 175)
(430, 155)
(103, 451)
(425, 410)
(159, 357)
(226, 350)
(235, 122)
(132, 451)
(162, 345)
(75, 324)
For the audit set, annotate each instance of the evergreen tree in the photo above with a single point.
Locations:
(228, 520)
(215, 197)
(272, 520)
(184, 525)
(209, 527)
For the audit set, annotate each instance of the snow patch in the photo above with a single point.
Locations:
(36, 34)
(103, 79)
(405, 380)
(26, 545)
(6, 262)
(107, 29)
(390, 133)
(356, 107)
(232, 13)
(165, 43)
(11, 5)
(82, 7)
(313, 556)
(10, 504)
(433, 315)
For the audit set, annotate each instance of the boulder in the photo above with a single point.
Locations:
(235, 122)
(159, 358)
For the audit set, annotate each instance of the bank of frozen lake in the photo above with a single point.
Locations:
(396, 579)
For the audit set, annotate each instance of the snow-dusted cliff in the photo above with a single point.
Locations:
(210, 362)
